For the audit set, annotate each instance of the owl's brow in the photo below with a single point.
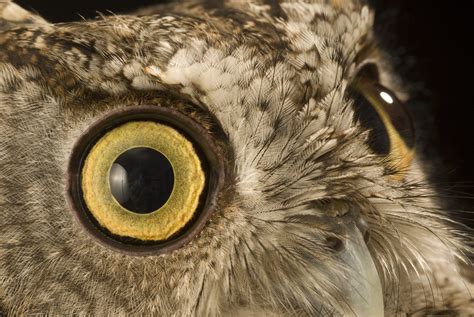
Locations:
(275, 8)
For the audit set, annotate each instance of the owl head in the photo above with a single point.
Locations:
(215, 158)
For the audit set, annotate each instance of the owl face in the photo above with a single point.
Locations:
(246, 158)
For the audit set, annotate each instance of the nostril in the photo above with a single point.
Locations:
(367, 237)
(335, 244)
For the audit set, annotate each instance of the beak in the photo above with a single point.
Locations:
(362, 287)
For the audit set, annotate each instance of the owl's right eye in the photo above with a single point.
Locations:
(144, 181)
(378, 110)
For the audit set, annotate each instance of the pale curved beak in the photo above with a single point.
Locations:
(362, 287)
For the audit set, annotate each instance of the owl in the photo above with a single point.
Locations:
(216, 158)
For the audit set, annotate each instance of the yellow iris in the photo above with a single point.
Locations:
(189, 181)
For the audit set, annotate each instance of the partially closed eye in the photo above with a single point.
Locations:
(390, 126)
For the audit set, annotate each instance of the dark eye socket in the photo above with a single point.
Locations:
(379, 110)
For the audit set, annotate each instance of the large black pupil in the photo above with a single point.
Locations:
(378, 139)
(141, 180)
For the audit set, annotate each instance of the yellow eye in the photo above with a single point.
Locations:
(143, 180)
(140, 184)
(391, 131)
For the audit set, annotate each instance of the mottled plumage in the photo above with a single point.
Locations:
(269, 80)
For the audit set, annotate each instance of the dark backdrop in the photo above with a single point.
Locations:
(430, 40)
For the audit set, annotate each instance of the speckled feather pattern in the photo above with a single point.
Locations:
(272, 77)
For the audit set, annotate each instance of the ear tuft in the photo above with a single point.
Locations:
(12, 15)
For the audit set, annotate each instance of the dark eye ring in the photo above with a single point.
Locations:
(185, 181)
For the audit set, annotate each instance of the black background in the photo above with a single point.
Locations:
(429, 40)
